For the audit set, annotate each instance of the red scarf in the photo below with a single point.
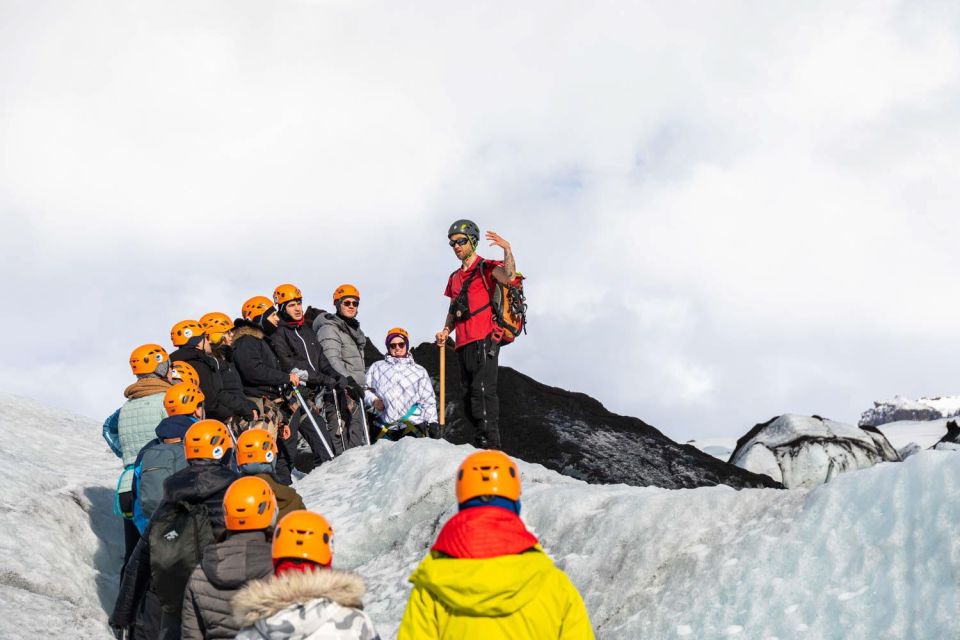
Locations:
(484, 532)
(284, 565)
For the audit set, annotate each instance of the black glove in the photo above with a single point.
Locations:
(434, 430)
(354, 390)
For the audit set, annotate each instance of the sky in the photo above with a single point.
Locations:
(725, 211)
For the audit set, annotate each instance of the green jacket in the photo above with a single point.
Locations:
(139, 417)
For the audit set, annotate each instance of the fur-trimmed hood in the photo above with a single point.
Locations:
(265, 598)
(248, 330)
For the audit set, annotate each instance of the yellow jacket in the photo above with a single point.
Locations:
(516, 597)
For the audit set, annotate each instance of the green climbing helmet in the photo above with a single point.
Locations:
(467, 228)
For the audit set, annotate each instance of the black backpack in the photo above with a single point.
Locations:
(177, 538)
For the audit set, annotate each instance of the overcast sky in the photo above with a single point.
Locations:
(726, 211)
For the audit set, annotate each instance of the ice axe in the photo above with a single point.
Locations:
(443, 386)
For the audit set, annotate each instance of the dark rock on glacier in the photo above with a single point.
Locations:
(574, 434)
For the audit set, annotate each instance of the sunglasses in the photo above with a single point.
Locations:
(350, 303)
(397, 345)
(459, 242)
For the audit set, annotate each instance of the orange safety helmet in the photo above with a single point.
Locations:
(249, 504)
(182, 399)
(183, 331)
(488, 473)
(256, 445)
(398, 331)
(285, 293)
(207, 440)
(145, 358)
(255, 306)
(186, 372)
(215, 324)
(304, 535)
(345, 291)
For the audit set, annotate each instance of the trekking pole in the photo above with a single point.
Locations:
(363, 417)
(443, 384)
(313, 421)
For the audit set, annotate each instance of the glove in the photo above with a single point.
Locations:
(354, 390)
(434, 430)
(303, 375)
(342, 383)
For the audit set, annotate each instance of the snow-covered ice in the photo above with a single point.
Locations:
(60, 545)
(873, 554)
(801, 451)
(923, 433)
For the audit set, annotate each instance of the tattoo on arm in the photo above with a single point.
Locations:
(448, 323)
(508, 271)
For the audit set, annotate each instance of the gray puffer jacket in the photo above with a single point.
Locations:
(342, 345)
(226, 568)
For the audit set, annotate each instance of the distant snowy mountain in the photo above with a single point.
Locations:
(871, 555)
(719, 448)
(801, 451)
(902, 409)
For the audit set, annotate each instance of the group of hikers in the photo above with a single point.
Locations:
(218, 544)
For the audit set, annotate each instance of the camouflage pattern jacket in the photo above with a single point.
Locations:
(313, 605)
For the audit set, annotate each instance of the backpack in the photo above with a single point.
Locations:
(507, 302)
(156, 464)
(177, 538)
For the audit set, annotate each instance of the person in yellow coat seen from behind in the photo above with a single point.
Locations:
(486, 576)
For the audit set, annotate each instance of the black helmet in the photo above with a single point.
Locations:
(467, 228)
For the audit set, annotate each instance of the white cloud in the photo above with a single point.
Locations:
(725, 211)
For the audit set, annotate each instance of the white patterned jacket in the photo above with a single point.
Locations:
(400, 383)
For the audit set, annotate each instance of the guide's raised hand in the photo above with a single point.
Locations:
(497, 241)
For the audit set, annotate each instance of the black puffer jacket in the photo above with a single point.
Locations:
(255, 361)
(202, 482)
(226, 567)
(210, 382)
(232, 397)
(297, 347)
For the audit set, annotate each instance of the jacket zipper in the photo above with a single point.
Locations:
(306, 350)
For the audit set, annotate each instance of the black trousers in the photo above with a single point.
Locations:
(131, 535)
(478, 377)
(314, 440)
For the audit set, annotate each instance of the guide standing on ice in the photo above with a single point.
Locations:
(471, 316)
